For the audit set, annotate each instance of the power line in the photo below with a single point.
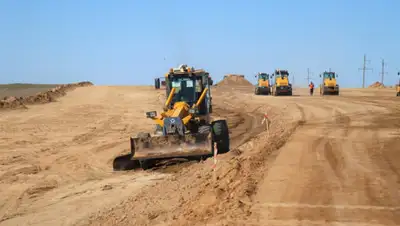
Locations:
(383, 71)
(364, 68)
(308, 75)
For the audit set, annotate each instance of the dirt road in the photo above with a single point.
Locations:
(325, 160)
(340, 166)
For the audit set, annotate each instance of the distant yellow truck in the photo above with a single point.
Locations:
(329, 84)
(263, 86)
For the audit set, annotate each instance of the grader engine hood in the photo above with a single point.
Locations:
(282, 81)
(179, 113)
(263, 83)
(330, 82)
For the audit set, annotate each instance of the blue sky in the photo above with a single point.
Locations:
(131, 42)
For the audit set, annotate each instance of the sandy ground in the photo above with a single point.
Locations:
(324, 161)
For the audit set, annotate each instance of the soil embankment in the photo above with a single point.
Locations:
(13, 102)
(234, 80)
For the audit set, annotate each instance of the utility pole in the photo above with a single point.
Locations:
(308, 76)
(364, 68)
(383, 71)
(293, 80)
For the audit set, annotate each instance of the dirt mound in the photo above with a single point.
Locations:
(41, 97)
(376, 85)
(234, 80)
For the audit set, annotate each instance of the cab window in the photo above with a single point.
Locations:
(329, 75)
(198, 86)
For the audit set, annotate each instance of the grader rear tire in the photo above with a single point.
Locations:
(220, 136)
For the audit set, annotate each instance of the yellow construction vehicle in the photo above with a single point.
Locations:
(328, 84)
(159, 83)
(184, 129)
(281, 85)
(263, 86)
(398, 86)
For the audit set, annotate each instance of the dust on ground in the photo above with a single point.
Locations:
(324, 160)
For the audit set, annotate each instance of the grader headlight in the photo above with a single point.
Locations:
(151, 114)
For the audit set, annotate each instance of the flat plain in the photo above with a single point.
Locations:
(326, 160)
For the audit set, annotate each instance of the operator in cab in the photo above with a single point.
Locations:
(311, 88)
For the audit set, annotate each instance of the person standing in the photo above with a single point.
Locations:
(311, 88)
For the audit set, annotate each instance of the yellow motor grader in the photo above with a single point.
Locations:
(184, 129)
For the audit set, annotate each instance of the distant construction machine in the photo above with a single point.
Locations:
(159, 82)
(398, 86)
(184, 129)
(263, 86)
(328, 84)
(281, 85)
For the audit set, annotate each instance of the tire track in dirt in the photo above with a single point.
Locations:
(323, 148)
(381, 150)
(235, 197)
(249, 125)
(340, 165)
(378, 150)
(322, 191)
(303, 119)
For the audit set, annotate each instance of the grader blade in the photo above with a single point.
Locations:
(169, 146)
(147, 150)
